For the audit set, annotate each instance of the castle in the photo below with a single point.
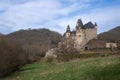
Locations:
(76, 39)
(82, 34)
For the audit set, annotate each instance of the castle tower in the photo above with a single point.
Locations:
(68, 29)
(68, 32)
(79, 24)
(95, 25)
(95, 30)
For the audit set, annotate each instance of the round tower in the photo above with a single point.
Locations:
(68, 29)
(95, 25)
(68, 32)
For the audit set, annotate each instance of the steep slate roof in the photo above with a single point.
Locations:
(89, 25)
(79, 24)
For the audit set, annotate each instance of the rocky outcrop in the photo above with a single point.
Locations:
(52, 52)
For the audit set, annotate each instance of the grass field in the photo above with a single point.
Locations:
(100, 68)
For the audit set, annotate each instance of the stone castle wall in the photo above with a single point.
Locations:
(82, 35)
(91, 34)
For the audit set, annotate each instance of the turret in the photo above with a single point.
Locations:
(68, 32)
(68, 29)
(79, 24)
(95, 25)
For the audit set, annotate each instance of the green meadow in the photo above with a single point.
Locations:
(100, 68)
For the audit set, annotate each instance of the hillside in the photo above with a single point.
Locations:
(101, 68)
(35, 41)
(1, 34)
(112, 35)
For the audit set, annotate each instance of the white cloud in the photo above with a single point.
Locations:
(27, 14)
(107, 18)
(55, 14)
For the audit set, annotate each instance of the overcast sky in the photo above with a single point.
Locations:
(57, 14)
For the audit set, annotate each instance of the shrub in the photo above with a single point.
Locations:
(12, 56)
(104, 54)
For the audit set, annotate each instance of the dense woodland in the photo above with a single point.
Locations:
(25, 46)
(12, 56)
(112, 35)
(35, 42)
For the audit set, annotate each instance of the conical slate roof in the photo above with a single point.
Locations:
(79, 24)
(95, 24)
(68, 29)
